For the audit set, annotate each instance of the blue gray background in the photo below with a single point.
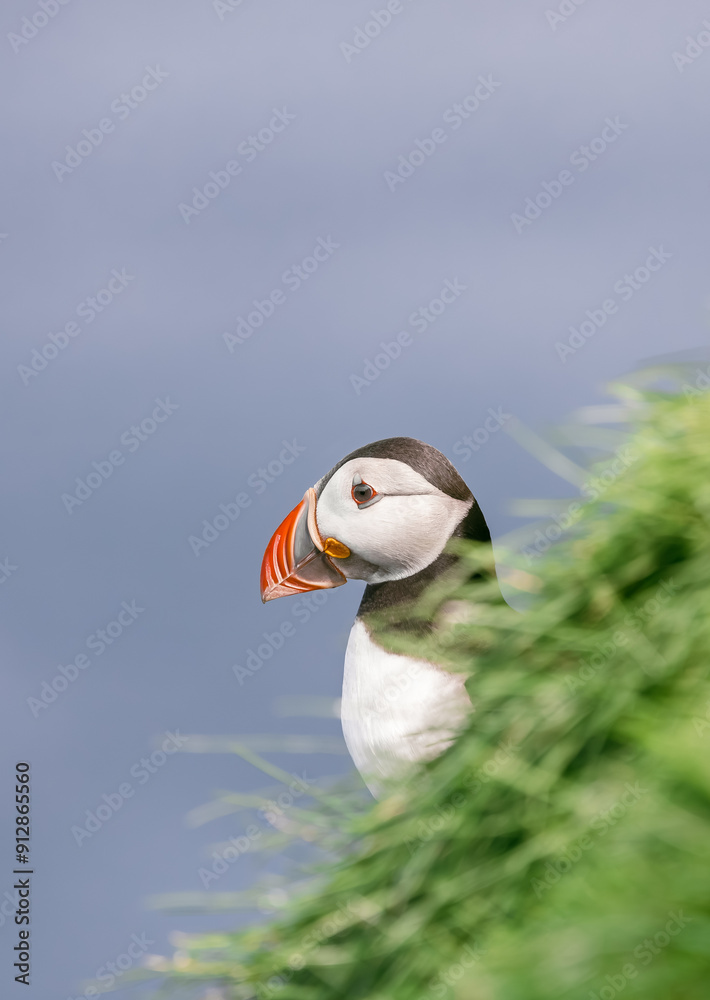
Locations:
(323, 176)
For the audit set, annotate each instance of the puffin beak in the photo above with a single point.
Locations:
(297, 559)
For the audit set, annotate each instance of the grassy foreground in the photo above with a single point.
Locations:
(561, 848)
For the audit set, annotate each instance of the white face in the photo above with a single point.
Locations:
(397, 536)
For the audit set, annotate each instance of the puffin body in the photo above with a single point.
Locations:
(384, 514)
(396, 710)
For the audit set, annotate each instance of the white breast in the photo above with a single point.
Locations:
(396, 710)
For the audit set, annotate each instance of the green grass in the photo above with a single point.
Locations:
(543, 855)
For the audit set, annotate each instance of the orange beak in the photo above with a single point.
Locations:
(297, 559)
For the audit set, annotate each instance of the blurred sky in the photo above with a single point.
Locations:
(102, 219)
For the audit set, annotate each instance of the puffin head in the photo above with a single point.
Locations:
(384, 512)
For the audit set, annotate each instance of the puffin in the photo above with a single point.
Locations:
(384, 514)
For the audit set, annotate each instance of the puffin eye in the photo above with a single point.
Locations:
(362, 493)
